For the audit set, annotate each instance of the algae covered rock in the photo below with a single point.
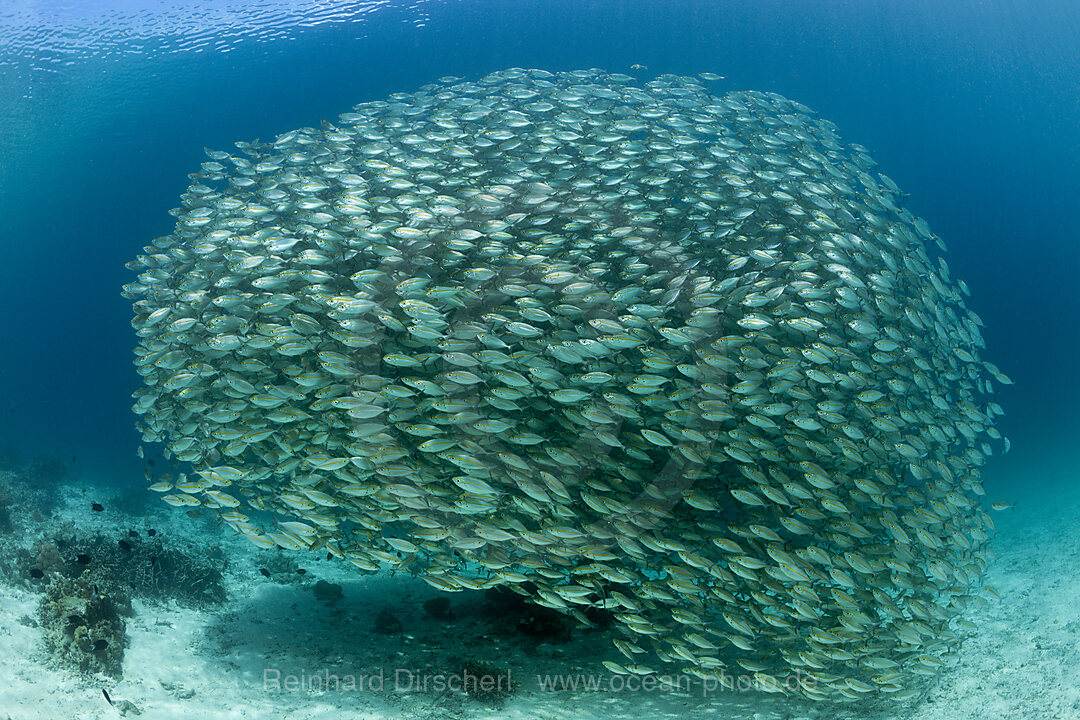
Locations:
(83, 625)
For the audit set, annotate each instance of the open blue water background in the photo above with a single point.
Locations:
(973, 107)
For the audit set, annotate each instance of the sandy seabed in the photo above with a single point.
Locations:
(275, 650)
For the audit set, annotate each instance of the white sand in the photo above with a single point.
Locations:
(186, 663)
(1025, 660)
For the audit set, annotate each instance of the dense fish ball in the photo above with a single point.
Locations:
(680, 356)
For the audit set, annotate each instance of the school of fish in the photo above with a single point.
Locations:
(615, 344)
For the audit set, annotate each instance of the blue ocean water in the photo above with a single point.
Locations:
(971, 106)
(106, 105)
